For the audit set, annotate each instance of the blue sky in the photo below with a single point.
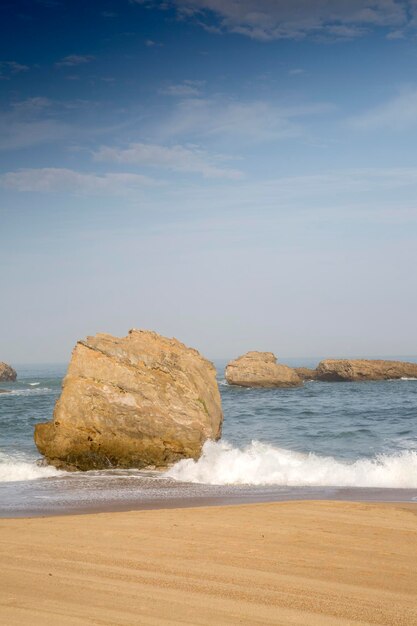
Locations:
(239, 174)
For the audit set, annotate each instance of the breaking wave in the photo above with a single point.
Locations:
(263, 464)
(13, 469)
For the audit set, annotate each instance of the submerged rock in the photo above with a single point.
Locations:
(7, 372)
(306, 373)
(335, 370)
(137, 401)
(260, 369)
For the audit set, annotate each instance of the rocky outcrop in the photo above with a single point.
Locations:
(137, 401)
(306, 373)
(334, 370)
(260, 369)
(7, 372)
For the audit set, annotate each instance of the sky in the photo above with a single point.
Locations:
(239, 174)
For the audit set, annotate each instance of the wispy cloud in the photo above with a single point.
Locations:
(295, 19)
(74, 59)
(398, 113)
(32, 105)
(38, 120)
(30, 122)
(185, 89)
(254, 121)
(151, 43)
(178, 158)
(10, 68)
(361, 195)
(352, 194)
(61, 180)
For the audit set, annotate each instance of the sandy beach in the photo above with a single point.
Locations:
(294, 563)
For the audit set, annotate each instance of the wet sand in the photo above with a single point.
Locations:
(289, 563)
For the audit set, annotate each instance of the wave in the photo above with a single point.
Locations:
(14, 469)
(263, 464)
(407, 378)
(27, 392)
(34, 384)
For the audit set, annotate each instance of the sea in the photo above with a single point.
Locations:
(345, 441)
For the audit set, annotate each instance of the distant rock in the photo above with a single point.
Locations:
(4, 391)
(7, 372)
(334, 370)
(306, 373)
(260, 369)
(137, 401)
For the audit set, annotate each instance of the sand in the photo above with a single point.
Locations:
(292, 563)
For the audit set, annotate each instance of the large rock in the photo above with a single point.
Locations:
(306, 373)
(260, 369)
(7, 372)
(334, 370)
(137, 401)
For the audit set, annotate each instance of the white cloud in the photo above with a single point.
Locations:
(18, 133)
(255, 121)
(189, 159)
(74, 59)
(30, 122)
(51, 179)
(357, 194)
(296, 19)
(39, 120)
(32, 105)
(399, 113)
(9, 68)
(183, 90)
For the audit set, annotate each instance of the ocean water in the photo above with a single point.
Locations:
(324, 440)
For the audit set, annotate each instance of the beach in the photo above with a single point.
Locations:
(288, 563)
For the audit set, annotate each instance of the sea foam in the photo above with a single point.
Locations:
(14, 469)
(33, 391)
(263, 464)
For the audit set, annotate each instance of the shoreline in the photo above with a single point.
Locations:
(321, 563)
(229, 497)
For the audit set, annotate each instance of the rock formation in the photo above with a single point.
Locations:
(306, 373)
(7, 372)
(260, 369)
(137, 401)
(334, 370)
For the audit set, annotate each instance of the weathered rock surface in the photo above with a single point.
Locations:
(260, 369)
(7, 372)
(306, 373)
(363, 369)
(137, 401)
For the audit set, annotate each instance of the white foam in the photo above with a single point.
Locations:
(14, 469)
(263, 464)
(34, 384)
(407, 378)
(27, 392)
